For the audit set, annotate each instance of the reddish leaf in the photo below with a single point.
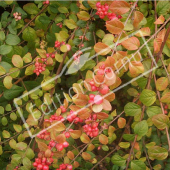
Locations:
(80, 99)
(157, 45)
(161, 83)
(138, 17)
(70, 155)
(103, 139)
(110, 78)
(102, 115)
(166, 98)
(84, 138)
(143, 32)
(119, 7)
(131, 43)
(84, 113)
(61, 138)
(115, 26)
(106, 105)
(102, 49)
(160, 20)
(86, 156)
(42, 146)
(121, 122)
(136, 68)
(75, 134)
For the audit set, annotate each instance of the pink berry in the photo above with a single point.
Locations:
(67, 134)
(65, 144)
(45, 167)
(98, 99)
(91, 96)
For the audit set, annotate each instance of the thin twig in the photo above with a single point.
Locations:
(32, 19)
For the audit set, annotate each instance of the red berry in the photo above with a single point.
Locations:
(35, 164)
(46, 167)
(104, 89)
(59, 147)
(40, 166)
(65, 144)
(67, 134)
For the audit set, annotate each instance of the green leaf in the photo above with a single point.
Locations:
(27, 58)
(63, 10)
(59, 57)
(138, 165)
(108, 39)
(160, 121)
(2, 35)
(4, 121)
(141, 128)
(100, 33)
(1, 110)
(131, 109)
(124, 144)
(70, 23)
(29, 34)
(5, 49)
(12, 39)
(2, 71)
(13, 92)
(89, 65)
(153, 110)
(27, 163)
(17, 61)
(31, 8)
(157, 152)
(129, 137)
(13, 116)
(1, 151)
(118, 160)
(162, 7)
(30, 70)
(17, 128)
(21, 146)
(74, 7)
(6, 134)
(30, 154)
(105, 148)
(7, 82)
(147, 97)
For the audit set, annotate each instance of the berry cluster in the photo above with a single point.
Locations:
(91, 129)
(65, 167)
(59, 44)
(44, 135)
(61, 146)
(102, 11)
(54, 117)
(52, 55)
(72, 117)
(46, 2)
(63, 109)
(103, 70)
(17, 16)
(166, 109)
(97, 99)
(76, 56)
(60, 25)
(42, 163)
(40, 65)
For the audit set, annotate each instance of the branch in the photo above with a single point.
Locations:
(32, 20)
